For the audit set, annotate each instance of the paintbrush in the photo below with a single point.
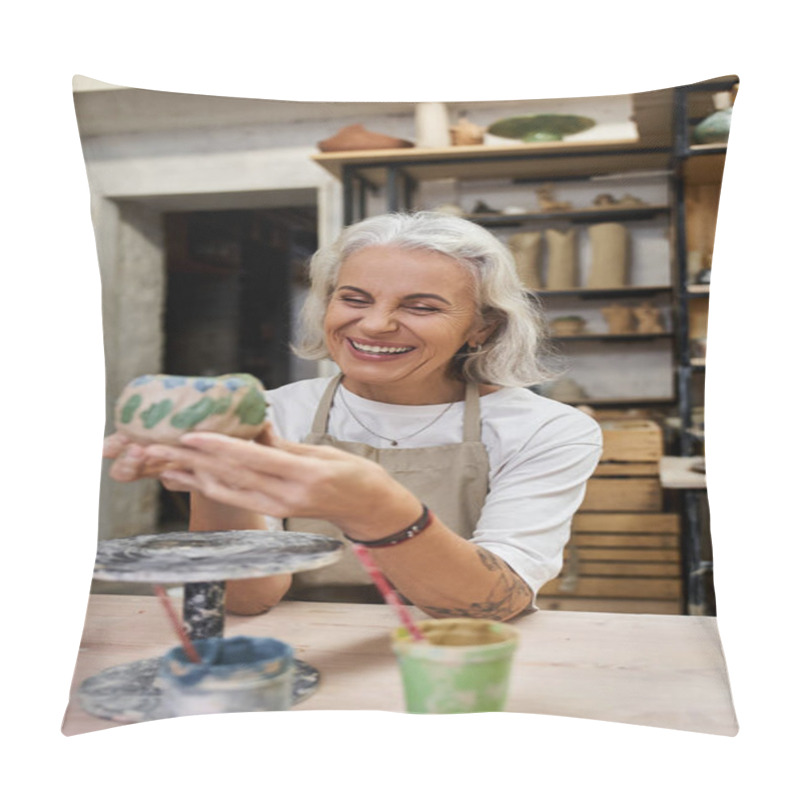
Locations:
(389, 595)
(176, 624)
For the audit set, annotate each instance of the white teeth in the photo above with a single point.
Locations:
(368, 348)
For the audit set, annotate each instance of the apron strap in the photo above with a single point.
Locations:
(472, 413)
(472, 410)
(320, 423)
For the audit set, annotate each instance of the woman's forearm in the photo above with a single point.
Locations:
(447, 576)
(249, 595)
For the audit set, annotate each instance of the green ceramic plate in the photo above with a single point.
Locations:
(540, 127)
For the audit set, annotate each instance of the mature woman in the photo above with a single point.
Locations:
(427, 447)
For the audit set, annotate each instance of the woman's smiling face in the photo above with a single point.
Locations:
(396, 319)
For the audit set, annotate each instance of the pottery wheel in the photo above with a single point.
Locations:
(212, 556)
(130, 692)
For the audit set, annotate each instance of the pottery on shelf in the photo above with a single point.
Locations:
(432, 125)
(618, 318)
(609, 201)
(547, 202)
(357, 137)
(540, 127)
(609, 247)
(526, 249)
(483, 208)
(562, 266)
(465, 132)
(567, 326)
(716, 127)
(648, 318)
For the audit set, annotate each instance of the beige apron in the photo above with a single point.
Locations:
(451, 479)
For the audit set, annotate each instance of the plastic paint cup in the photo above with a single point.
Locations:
(462, 667)
(237, 674)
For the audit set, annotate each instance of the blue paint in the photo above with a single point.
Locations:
(229, 658)
(237, 674)
(173, 381)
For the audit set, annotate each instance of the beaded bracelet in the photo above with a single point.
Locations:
(401, 536)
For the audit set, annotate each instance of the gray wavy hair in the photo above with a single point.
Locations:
(511, 355)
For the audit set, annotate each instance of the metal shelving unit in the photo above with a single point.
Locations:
(692, 164)
(665, 147)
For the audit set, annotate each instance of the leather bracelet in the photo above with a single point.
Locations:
(415, 529)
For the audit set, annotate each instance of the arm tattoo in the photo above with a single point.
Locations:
(509, 594)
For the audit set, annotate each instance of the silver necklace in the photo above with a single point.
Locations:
(393, 442)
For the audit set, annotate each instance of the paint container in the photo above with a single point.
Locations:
(237, 674)
(462, 666)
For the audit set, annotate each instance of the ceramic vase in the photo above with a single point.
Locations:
(561, 259)
(619, 319)
(526, 248)
(432, 125)
(609, 246)
(716, 127)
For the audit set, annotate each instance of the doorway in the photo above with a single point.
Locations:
(233, 279)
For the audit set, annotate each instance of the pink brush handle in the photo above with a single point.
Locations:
(389, 595)
(176, 624)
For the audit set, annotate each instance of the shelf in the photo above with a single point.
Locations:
(578, 215)
(698, 289)
(585, 293)
(623, 401)
(485, 162)
(611, 337)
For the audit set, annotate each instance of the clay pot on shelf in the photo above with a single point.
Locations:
(609, 245)
(357, 137)
(648, 318)
(619, 319)
(567, 326)
(466, 132)
(562, 264)
(547, 201)
(526, 249)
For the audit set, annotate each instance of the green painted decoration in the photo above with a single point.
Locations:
(129, 409)
(252, 410)
(153, 415)
(194, 414)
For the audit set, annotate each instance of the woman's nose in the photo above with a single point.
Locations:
(378, 319)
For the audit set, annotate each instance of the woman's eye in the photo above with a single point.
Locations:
(354, 301)
(424, 309)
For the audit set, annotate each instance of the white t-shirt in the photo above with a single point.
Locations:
(541, 453)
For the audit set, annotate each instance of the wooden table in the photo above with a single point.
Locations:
(663, 671)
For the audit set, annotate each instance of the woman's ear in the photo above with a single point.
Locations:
(484, 328)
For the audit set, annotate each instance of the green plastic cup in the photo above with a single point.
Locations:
(461, 667)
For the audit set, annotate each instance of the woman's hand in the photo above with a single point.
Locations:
(131, 463)
(283, 479)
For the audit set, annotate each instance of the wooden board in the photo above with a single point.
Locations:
(609, 605)
(632, 440)
(618, 468)
(651, 588)
(633, 557)
(623, 494)
(626, 523)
